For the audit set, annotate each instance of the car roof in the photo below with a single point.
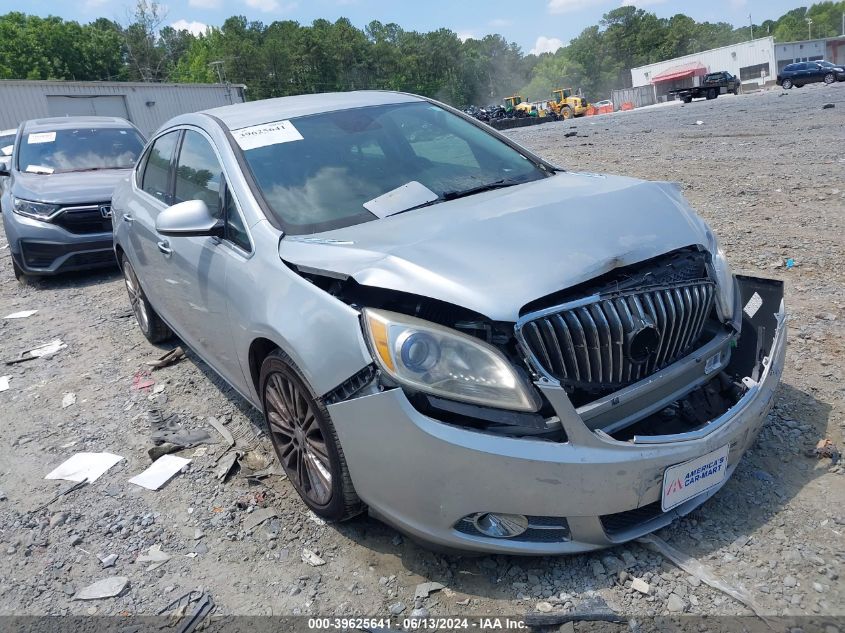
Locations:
(241, 115)
(71, 122)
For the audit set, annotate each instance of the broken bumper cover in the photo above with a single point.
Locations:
(424, 477)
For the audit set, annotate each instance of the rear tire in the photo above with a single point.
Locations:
(153, 328)
(711, 94)
(687, 99)
(305, 441)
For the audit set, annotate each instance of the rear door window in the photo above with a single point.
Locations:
(156, 177)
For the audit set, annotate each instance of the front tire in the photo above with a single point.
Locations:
(829, 78)
(566, 112)
(305, 441)
(787, 84)
(20, 275)
(153, 328)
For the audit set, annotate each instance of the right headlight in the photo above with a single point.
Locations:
(35, 210)
(443, 362)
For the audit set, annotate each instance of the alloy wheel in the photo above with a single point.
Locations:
(298, 439)
(829, 78)
(136, 298)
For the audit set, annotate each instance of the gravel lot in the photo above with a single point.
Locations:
(767, 170)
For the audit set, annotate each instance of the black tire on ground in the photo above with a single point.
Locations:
(829, 78)
(305, 440)
(711, 94)
(566, 112)
(20, 275)
(152, 327)
(786, 84)
(687, 99)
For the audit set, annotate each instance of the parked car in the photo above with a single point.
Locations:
(838, 69)
(799, 75)
(712, 85)
(7, 143)
(57, 202)
(486, 351)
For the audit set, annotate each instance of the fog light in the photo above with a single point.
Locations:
(501, 525)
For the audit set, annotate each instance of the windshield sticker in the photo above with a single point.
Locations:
(40, 137)
(38, 169)
(409, 195)
(267, 134)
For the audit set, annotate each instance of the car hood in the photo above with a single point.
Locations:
(85, 187)
(496, 251)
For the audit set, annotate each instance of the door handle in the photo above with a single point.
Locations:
(128, 218)
(164, 247)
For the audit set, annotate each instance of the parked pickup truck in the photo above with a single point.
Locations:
(712, 86)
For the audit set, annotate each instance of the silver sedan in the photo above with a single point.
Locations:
(476, 346)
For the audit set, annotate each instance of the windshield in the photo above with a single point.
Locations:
(79, 149)
(825, 64)
(318, 172)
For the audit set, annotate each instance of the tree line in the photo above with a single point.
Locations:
(285, 57)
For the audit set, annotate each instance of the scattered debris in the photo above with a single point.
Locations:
(170, 358)
(84, 466)
(790, 263)
(108, 561)
(396, 608)
(826, 106)
(594, 609)
(179, 607)
(702, 572)
(311, 558)
(76, 486)
(68, 399)
(224, 432)
(142, 381)
(163, 449)
(23, 314)
(256, 518)
(4, 382)
(226, 465)
(569, 134)
(42, 351)
(160, 472)
(200, 452)
(154, 556)
(699, 122)
(424, 589)
(638, 584)
(169, 430)
(106, 588)
(825, 448)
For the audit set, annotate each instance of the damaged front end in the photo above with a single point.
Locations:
(642, 352)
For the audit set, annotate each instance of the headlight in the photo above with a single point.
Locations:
(724, 279)
(36, 210)
(443, 362)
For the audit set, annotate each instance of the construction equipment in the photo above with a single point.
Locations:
(565, 105)
(517, 106)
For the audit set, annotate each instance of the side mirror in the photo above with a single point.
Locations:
(5, 168)
(188, 219)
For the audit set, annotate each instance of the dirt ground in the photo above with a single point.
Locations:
(767, 170)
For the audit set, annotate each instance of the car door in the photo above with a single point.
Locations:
(151, 194)
(195, 268)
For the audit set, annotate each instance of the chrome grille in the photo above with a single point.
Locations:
(609, 341)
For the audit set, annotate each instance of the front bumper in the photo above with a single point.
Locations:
(423, 476)
(44, 248)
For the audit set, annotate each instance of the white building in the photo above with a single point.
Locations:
(147, 105)
(753, 62)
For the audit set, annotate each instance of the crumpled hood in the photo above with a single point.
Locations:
(85, 187)
(496, 251)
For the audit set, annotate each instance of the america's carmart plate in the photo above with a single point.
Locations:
(682, 482)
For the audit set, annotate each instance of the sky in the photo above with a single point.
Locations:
(536, 25)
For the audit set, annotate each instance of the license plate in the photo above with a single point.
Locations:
(682, 482)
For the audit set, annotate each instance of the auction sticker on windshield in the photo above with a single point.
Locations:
(40, 137)
(682, 482)
(266, 134)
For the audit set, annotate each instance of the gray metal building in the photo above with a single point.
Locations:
(147, 105)
(830, 48)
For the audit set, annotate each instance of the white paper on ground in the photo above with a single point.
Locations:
(267, 134)
(20, 315)
(84, 466)
(160, 472)
(48, 349)
(4, 382)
